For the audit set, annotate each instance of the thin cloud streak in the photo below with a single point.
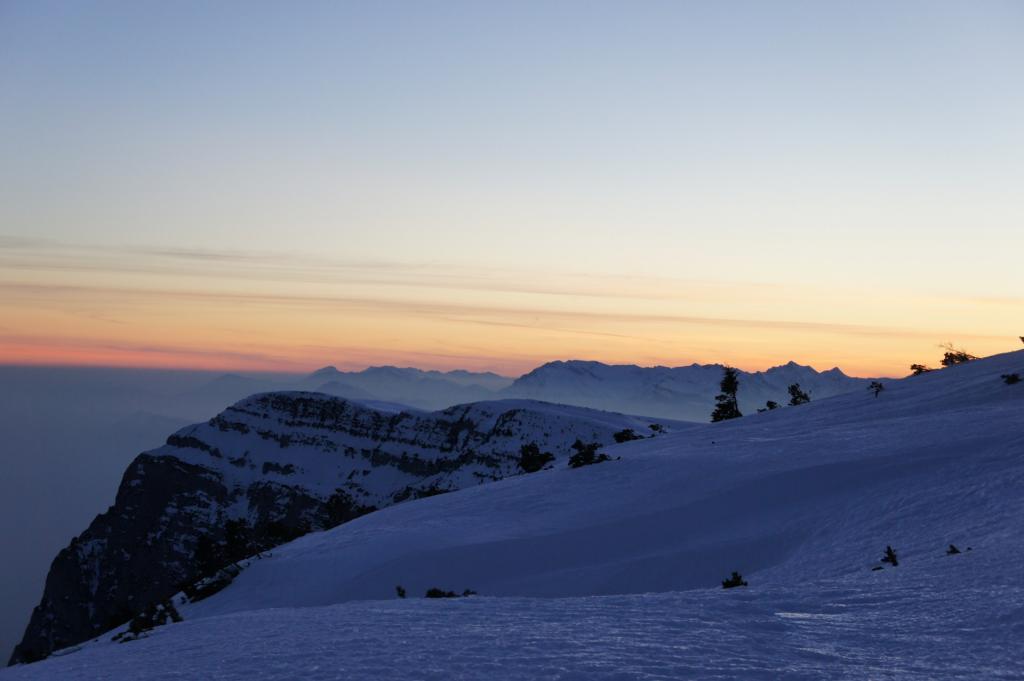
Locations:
(450, 311)
(44, 255)
(164, 301)
(52, 256)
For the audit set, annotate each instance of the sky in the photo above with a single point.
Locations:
(280, 186)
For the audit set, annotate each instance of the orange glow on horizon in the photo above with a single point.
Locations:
(298, 316)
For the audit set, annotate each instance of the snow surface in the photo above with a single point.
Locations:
(612, 571)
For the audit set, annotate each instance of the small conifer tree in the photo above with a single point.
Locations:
(954, 355)
(797, 396)
(726, 404)
(735, 580)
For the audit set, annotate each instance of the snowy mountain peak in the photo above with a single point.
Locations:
(327, 372)
(685, 392)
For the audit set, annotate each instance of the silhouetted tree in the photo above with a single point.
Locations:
(797, 396)
(769, 406)
(656, 428)
(531, 459)
(1010, 379)
(955, 355)
(952, 550)
(918, 369)
(890, 556)
(400, 590)
(876, 387)
(726, 404)
(735, 580)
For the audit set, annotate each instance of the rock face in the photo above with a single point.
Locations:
(286, 464)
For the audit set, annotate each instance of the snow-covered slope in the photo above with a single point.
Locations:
(686, 393)
(285, 462)
(802, 501)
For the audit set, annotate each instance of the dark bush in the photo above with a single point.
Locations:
(890, 556)
(735, 580)
(876, 387)
(531, 459)
(626, 435)
(400, 590)
(434, 592)
(586, 454)
(918, 369)
(1011, 379)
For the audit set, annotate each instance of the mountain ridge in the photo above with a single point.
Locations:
(285, 463)
(801, 501)
(683, 392)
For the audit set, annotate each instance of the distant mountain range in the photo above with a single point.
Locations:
(413, 387)
(685, 393)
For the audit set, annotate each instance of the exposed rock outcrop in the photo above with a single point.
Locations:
(285, 463)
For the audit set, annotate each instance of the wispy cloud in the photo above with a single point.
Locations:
(81, 299)
(527, 317)
(228, 265)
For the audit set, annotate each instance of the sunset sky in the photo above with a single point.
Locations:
(279, 186)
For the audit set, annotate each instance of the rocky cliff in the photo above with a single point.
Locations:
(279, 465)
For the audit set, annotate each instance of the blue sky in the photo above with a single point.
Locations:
(875, 147)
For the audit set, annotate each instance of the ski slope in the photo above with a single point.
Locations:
(613, 571)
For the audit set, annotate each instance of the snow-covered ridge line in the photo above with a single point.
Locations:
(789, 497)
(802, 501)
